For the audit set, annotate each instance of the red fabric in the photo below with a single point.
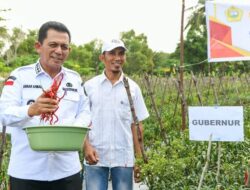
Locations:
(220, 32)
(219, 50)
(10, 83)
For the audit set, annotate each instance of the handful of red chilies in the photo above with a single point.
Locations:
(52, 93)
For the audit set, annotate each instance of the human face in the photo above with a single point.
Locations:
(53, 51)
(114, 60)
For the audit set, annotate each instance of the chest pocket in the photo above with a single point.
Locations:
(124, 110)
(124, 107)
(29, 95)
(70, 96)
(69, 102)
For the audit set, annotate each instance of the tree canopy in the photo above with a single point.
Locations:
(17, 49)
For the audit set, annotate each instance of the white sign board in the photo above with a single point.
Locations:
(225, 123)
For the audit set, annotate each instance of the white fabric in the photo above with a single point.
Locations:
(110, 45)
(26, 163)
(111, 133)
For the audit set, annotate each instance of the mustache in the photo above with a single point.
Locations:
(117, 71)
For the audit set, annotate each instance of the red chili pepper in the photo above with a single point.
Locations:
(52, 93)
(246, 180)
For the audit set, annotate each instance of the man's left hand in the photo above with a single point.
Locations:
(137, 174)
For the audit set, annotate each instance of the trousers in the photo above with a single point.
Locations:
(97, 177)
(73, 182)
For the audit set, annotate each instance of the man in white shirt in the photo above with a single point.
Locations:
(23, 102)
(109, 146)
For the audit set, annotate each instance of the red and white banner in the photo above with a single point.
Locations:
(228, 28)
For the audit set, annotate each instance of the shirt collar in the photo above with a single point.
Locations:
(103, 78)
(39, 69)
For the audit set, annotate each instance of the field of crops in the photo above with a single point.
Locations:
(175, 162)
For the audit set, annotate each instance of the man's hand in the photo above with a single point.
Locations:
(137, 174)
(42, 105)
(90, 153)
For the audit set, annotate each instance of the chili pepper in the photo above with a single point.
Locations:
(246, 178)
(52, 93)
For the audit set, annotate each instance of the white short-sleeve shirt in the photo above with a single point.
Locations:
(21, 89)
(111, 117)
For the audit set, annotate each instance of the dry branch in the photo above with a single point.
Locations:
(3, 138)
(162, 129)
(206, 164)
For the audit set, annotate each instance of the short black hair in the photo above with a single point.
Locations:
(60, 27)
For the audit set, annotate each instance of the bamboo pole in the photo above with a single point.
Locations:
(3, 139)
(3, 143)
(183, 102)
(197, 89)
(218, 164)
(150, 92)
(206, 164)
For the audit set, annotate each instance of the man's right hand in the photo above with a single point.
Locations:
(42, 105)
(90, 153)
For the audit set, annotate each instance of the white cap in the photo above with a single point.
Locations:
(112, 44)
